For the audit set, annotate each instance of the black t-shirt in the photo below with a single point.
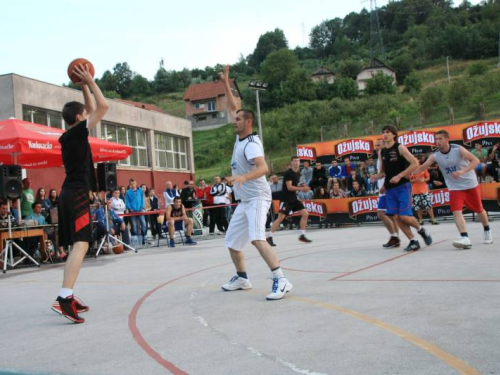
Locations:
(77, 158)
(290, 196)
(394, 164)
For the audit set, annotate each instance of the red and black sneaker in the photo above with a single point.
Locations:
(303, 238)
(67, 308)
(393, 242)
(80, 306)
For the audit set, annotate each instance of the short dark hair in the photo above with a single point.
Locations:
(294, 157)
(444, 133)
(34, 204)
(70, 110)
(3, 203)
(247, 114)
(177, 198)
(392, 129)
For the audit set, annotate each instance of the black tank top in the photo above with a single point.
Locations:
(176, 212)
(394, 164)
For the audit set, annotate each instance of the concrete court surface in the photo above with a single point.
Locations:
(356, 308)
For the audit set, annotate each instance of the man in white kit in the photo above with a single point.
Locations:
(249, 168)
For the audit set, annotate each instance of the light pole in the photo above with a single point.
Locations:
(258, 86)
(448, 68)
(321, 130)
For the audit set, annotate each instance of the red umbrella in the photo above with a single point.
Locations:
(37, 146)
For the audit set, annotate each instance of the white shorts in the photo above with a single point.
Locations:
(248, 223)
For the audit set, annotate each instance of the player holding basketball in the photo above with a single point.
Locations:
(458, 167)
(75, 225)
(249, 168)
(290, 203)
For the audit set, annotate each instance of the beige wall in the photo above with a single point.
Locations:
(367, 74)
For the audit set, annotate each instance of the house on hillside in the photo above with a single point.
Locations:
(375, 66)
(323, 75)
(207, 104)
(146, 106)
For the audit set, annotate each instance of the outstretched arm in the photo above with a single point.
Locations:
(233, 106)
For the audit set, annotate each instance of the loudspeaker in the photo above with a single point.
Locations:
(11, 186)
(106, 176)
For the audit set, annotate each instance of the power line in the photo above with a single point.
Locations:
(376, 42)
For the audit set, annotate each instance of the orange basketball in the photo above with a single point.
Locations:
(76, 62)
(118, 249)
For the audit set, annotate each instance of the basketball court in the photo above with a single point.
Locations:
(356, 308)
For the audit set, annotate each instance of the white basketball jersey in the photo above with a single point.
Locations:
(244, 152)
(452, 162)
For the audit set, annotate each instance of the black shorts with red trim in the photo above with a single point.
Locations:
(73, 209)
(288, 208)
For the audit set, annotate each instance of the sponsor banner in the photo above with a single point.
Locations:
(197, 214)
(440, 197)
(418, 141)
(481, 131)
(304, 152)
(315, 209)
(353, 146)
(361, 206)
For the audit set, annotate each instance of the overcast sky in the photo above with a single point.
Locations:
(39, 38)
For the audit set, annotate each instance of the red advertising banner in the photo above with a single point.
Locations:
(353, 146)
(440, 197)
(480, 131)
(417, 138)
(363, 205)
(304, 152)
(315, 209)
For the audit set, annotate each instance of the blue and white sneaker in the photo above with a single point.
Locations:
(281, 286)
(189, 241)
(172, 243)
(237, 283)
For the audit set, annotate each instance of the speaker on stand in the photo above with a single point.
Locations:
(106, 176)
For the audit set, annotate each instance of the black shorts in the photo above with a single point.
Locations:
(75, 223)
(289, 208)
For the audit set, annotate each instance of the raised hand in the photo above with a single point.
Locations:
(224, 76)
(82, 72)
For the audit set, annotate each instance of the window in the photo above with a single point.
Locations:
(43, 117)
(171, 151)
(199, 105)
(211, 106)
(135, 138)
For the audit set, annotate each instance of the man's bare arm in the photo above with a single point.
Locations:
(403, 151)
(233, 106)
(87, 97)
(290, 187)
(430, 160)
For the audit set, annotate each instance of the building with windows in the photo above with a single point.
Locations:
(207, 105)
(323, 74)
(374, 67)
(162, 144)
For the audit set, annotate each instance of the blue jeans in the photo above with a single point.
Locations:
(133, 223)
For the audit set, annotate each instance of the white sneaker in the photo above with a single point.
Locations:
(281, 286)
(237, 283)
(463, 243)
(487, 237)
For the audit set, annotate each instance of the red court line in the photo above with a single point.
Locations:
(428, 280)
(295, 270)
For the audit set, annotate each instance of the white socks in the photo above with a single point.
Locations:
(277, 273)
(64, 292)
(270, 234)
(394, 235)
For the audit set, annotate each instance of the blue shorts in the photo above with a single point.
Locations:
(382, 203)
(399, 201)
(479, 167)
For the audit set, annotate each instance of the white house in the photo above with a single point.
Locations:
(371, 69)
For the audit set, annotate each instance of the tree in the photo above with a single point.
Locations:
(123, 78)
(162, 82)
(403, 65)
(298, 87)
(380, 84)
(107, 81)
(278, 67)
(140, 86)
(350, 68)
(347, 88)
(412, 83)
(268, 42)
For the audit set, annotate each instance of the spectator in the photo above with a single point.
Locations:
(188, 194)
(420, 192)
(482, 154)
(275, 184)
(118, 226)
(134, 200)
(335, 170)
(363, 173)
(305, 195)
(123, 192)
(174, 213)
(307, 173)
(203, 194)
(218, 214)
(4, 214)
(319, 176)
(169, 194)
(154, 205)
(372, 170)
(116, 204)
(147, 206)
(42, 199)
(436, 178)
(320, 193)
(493, 158)
(229, 198)
(37, 216)
(357, 190)
(336, 191)
(27, 198)
(354, 177)
(346, 172)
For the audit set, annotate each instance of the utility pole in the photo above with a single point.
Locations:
(376, 42)
(448, 68)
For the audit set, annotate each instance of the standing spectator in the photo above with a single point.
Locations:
(493, 157)
(319, 176)
(123, 192)
(307, 173)
(154, 205)
(42, 199)
(372, 170)
(436, 178)
(346, 172)
(320, 193)
(482, 154)
(336, 191)
(27, 198)
(169, 194)
(335, 170)
(134, 200)
(218, 214)
(188, 195)
(229, 198)
(357, 190)
(203, 195)
(147, 206)
(420, 191)
(275, 184)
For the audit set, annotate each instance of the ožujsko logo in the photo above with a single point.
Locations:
(353, 146)
(304, 152)
(417, 138)
(480, 131)
(440, 197)
(314, 208)
(362, 206)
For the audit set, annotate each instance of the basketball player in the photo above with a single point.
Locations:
(458, 167)
(389, 221)
(289, 203)
(397, 164)
(249, 168)
(75, 225)
(176, 212)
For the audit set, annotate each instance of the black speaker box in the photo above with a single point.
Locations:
(106, 176)
(11, 186)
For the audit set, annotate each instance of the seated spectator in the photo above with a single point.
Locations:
(176, 213)
(482, 154)
(336, 192)
(4, 214)
(116, 204)
(335, 170)
(319, 176)
(34, 242)
(357, 190)
(346, 172)
(36, 214)
(117, 226)
(436, 180)
(275, 184)
(354, 177)
(306, 173)
(320, 193)
(42, 198)
(305, 195)
(493, 158)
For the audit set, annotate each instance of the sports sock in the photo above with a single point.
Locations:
(243, 275)
(394, 235)
(303, 232)
(486, 228)
(270, 234)
(464, 234)
(277, 272)
(65, 292)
